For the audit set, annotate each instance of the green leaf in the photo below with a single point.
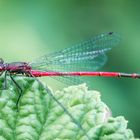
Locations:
(39, 116)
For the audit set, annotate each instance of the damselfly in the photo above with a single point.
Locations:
(80, 60)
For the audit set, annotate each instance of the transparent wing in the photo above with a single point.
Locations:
(69, 80)
(88, 55)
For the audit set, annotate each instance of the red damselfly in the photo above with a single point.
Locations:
(80, 60)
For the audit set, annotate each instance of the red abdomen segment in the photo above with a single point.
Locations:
(105, 74)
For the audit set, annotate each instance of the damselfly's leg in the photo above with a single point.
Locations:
(28, 74)
(3, 86)
(20, 90)
(5, 80)
(1, 73)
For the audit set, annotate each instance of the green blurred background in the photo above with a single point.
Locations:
(31, 28)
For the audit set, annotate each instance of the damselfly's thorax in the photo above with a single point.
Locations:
(16, 66)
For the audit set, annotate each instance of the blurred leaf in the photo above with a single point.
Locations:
(41, 117)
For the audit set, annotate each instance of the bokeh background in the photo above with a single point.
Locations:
(31, 28)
